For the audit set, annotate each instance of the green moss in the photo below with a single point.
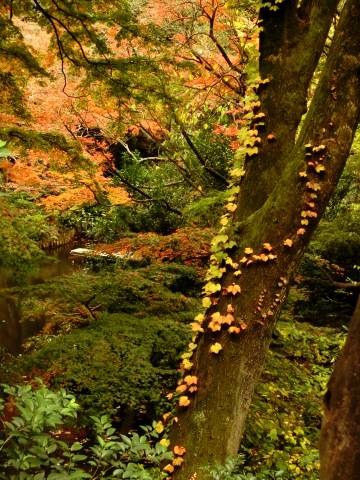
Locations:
(124, 361)
(120, 365)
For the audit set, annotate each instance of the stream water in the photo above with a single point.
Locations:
(13, 329)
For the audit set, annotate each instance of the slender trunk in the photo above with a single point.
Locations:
(340, 432)
(212, 426)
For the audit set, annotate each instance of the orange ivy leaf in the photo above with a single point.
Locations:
(191, 380)
(301, 231)
(181, 388)
(196, 327)
(214, 326)
(234, 289)
(184, 401)
(229, 319)
(169, 468)
(267, 246)
(288, 242)
(313, 186)
(235, 330)
(179, 450)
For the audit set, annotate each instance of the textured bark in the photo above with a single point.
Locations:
(212, 427)
(340, 432)
(291, 43)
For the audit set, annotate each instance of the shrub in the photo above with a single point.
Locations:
(32, 444)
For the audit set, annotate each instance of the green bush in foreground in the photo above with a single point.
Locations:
(31, 446)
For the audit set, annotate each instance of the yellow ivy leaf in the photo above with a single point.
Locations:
(224, 221)
(199, 318)
(319, 168)
(248, 251)
(231, 207)
(304, 222)
(215, 348)
(206, 302)
(186, 364)
(165, 442)
(196, 327)
(237, 273)
(267, 246)
(192, 346)
(229, 261)
(219, 239)
(251, 151)
(178, 461)
(186, 355)
(211, 288)
(237, 172)
(159, 427)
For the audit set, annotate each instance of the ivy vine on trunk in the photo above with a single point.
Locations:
(282, 196)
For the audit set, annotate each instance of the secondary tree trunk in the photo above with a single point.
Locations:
(340, 432)
(270, 210)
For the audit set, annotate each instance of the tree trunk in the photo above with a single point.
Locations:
(271, 211)
(340, 432)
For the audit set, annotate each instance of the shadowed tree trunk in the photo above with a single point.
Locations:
(340, 432)
(272, 205)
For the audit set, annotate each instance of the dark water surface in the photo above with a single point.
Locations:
(14, 331)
